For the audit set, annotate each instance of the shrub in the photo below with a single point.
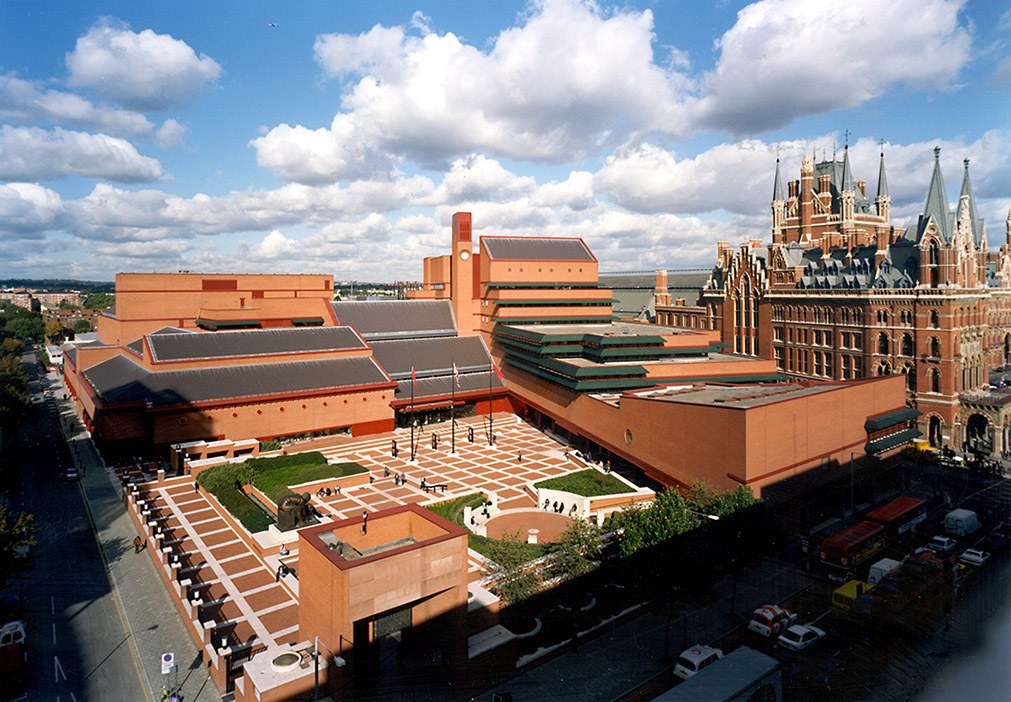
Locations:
(588, 483)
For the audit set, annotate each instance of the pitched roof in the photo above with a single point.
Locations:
(257, 342)
(378, 320)
(974, 220)
(121, 380)
(937, 202)
(432, 360)
(536, 249)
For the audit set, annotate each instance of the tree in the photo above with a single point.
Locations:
(508, 566)
(99, 301)
(576, 551)
(17, 532)
(25, 326)
(12, 347)
(54, 330)
(82, 326)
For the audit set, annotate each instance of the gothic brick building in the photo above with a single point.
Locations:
(842, 293)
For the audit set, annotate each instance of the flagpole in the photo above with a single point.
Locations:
(412, 413)
(452, 410)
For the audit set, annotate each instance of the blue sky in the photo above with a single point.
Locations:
(339, 137)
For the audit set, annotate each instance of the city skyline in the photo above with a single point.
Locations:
(139, 138)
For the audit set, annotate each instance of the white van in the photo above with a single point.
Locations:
(961, 522)
(881, 569)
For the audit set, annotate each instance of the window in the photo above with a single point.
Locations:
(883, 344)
(935, 319)
(907, 345)
(935, 380)
(935, 347)
(847, 369)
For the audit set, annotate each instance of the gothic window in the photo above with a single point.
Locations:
(883, 369)
(910, 374)
(935, 319)
(907, 345)
(935, 380)
(935, 347)
(883, 343)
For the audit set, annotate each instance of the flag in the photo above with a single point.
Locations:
(456, 374)
(498, 373)
(414, 380)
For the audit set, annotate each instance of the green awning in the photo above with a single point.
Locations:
(890, 419)
(886, 443)
(214, 325)
(307, 321)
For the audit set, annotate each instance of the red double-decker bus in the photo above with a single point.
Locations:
(900, 515)
(853, 545)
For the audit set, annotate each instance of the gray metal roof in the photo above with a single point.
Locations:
(257, 342)
(432, 360)
(378, 320)
(536, 249)
(120, 380)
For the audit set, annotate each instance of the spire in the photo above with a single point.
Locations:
(882, 181)
(977, 226)
(777, 188)
(937, 201)
(847, 177)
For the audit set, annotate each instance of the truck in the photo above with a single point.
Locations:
(881, 568)
(961, 522)
(742, 674)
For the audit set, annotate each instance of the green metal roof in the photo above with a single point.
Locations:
(890, 419)
(886, 443)
(228, 324)
(306, 321)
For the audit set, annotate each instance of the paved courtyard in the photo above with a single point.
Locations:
(242, 599)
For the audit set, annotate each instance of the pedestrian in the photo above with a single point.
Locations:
(365, 521)
(386, 471)
(137, 544)
(338, 489)
(403, 478)
(396, 479)
(196, 486)
(519, 456)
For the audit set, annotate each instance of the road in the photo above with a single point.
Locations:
(78, 643)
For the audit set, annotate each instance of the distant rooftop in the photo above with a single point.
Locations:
(737, 396)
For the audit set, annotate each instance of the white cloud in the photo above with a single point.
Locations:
(575, 192)
(31, 153)
(273, 246)
(28, 208)
(143, 70)
(433, 98)
(170, 134)
(24, 101)
(480, 178)
(786, 58)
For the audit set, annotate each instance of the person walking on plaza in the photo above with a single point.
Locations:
(138, 544)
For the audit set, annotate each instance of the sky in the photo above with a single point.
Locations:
(339, 137)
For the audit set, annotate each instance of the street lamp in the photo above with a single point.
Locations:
(338, 661)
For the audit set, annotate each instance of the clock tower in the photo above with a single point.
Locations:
(461, 274)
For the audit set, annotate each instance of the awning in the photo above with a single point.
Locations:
(890, 419)
(886, 443)
(214, 325)
(307, 321)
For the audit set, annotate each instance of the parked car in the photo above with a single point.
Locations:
(771, 620)
(800, 636)
(70, 473)
(694, 659)
(942, 544)
(973, 556)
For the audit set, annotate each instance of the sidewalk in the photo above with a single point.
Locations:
(151, 617)
(611, 664)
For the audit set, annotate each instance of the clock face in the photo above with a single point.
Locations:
(465, 255)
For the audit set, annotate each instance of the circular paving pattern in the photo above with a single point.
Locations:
(549, 525)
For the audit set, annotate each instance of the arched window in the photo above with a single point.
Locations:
(883, 343)
(935, 380)
(907, 345)
(935, 347)
(884, 369)
(910, 374)
(935, 319)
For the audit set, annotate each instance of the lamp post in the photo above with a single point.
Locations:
(338, 661)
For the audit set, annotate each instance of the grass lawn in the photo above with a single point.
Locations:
(588, 483)
(272, 476)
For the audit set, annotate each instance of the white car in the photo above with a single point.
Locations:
(800, 636)
(973, 556)
(694, 659)
(771, 620)
(942, 544)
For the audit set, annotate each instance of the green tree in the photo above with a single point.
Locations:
(25, 326)
(99, 301)
(82, 326)
(17, 532)
(12, 347)
(508, 566)
(54, 330)
(577, 551)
